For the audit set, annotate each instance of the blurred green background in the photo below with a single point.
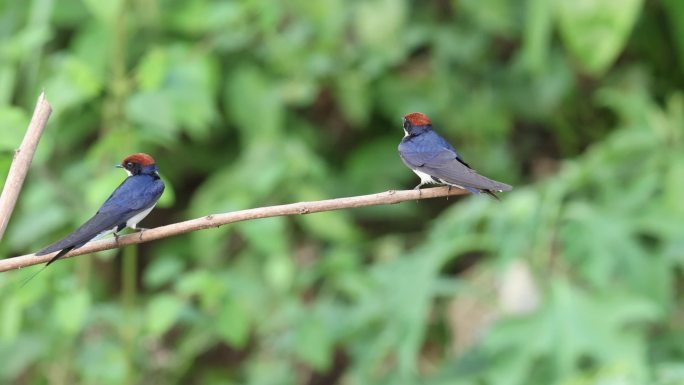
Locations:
(574, 278)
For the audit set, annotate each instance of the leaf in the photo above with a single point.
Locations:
(177, 88)
(105, 11)
(272, 229)
(40, 208)
(102, 359)
(596, 31)
(537, 34)
(168, 198)
(353, 95)
(233, 323)
(11, 316)
(496, 16)
(374, 165)
(154, 112)
(72, 84)
(17, 357)
(379, 22)
(313, 343)
(253, 104)
(14, 123)
(279, 272)
(162, 313)
(674, 10)
(152, 69)
(8, 76)
(71, 311)
(162, 271)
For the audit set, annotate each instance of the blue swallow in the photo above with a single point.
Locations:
(434, 160)
(135, 197)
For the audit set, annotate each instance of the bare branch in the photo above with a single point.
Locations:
(22, 161)
(216, 220)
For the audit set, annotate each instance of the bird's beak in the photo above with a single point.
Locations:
(118, 166)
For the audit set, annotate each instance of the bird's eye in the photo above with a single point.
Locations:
(129, 164)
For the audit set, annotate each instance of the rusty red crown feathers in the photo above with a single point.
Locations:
(418, 119)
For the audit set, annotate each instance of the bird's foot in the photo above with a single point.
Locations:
(140, 231)
(448, 191)
(418, 188)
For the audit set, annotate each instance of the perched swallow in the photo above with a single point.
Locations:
(434, 160)
(135, 197)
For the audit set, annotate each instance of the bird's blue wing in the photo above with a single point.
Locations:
(134, 195)
(434, 156)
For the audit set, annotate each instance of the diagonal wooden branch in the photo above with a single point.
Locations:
(216, 220)
(22, 161)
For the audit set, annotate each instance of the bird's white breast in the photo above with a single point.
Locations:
(424, 178)
(133, 222)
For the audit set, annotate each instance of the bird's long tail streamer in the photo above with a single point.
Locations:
(32, 276)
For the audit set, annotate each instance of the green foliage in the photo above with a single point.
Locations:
(246, 104)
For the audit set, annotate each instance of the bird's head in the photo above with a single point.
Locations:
(137, 164)
(416, 123)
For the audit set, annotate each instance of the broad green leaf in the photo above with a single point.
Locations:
(674, 10)
(152, 69)
(71, 311)
(279, 271)
(353, 95)
(103, 360)
(168, 198)
(594, 31)
(313, 343)
(233, 322)
(254, 104)
(105, 11)
(272, 229)
(497, 16)
(378, 22)
(15, 122)
(11, 317)
(72, 84)
(537, 34)
(162, 271)
(162, 313)
(8, 77)
(153, 112)
(21, 354)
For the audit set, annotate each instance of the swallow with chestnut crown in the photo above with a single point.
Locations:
(434, 160)
(135, 197)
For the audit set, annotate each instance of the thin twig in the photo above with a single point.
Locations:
(216, 220)
(22, 161)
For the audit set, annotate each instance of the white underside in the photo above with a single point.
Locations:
(133, 222)
(102, 234)
(425, 179)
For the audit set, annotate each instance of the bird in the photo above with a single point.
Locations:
(436, 161)
(135, 197)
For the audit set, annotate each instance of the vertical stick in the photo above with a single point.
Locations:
(22, 161)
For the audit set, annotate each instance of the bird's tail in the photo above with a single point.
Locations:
(59, 255)
(491, 194)
(493, 185)
(56, 257)
(31, 277)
